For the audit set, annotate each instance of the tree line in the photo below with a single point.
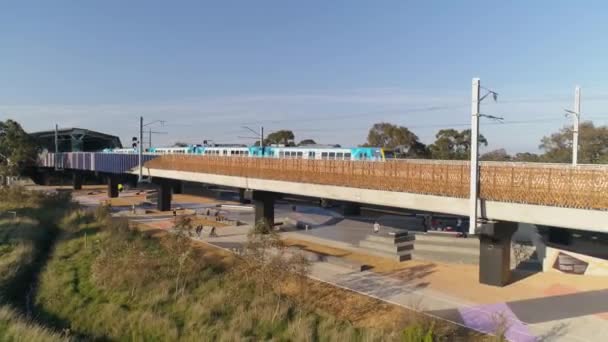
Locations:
(453, 144)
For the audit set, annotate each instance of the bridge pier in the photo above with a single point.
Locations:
(243, 199)
(264, 208)
(113, 181)
(164, 194)
(77, 180)
(495, 252)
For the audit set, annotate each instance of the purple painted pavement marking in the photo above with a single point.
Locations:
(489, 318)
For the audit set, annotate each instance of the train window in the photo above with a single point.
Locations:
(347, 156)
(246, 153)
(332, 155)
(225, 152)
(311, 155)
(339, 155)
(323, 155)
(281, 154)
(300, 154)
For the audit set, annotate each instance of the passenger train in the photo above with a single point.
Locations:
(318, 152)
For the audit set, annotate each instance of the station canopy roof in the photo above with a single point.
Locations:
(76, 140)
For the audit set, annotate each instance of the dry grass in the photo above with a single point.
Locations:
(121, 284)
(14, 327)
(22, 242)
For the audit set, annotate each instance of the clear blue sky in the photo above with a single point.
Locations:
(326, 69)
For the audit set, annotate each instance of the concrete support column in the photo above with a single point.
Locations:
(177, 187)
(243, 199)
(351, 209)
(77, 180)
(113, 181)
(264, 208)
(495, 253)
(164, 194)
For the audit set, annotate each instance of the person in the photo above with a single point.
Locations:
(199, 229)
(376, 227)
(460, 228)
(212, 233)
(120, 187)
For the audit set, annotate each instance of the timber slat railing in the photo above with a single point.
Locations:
(583, 186)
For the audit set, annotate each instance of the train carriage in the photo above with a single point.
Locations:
(317, 152)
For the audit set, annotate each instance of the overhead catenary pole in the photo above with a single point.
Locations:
(474, 166)
(262, 136)
(56, 147)
(56, 138)
(139, 145)
(577, 116)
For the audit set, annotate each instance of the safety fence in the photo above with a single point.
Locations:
(90, 161)
(584, 187)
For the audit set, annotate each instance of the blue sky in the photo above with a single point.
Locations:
(326, 69)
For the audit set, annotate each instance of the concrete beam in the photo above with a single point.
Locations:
(588, 220)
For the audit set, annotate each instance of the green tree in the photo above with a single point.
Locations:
(283, 137)
(307, 142)
(453, 144)
(593, 145)
(496, 155)
(397, 138)
(17, 149)
(527, 157)
(180, 144)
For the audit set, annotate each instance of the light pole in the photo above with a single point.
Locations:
(576, 115)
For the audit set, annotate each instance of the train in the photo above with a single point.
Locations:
(318, 152)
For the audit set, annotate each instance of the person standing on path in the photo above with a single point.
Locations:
(376, 227)
(460, 228)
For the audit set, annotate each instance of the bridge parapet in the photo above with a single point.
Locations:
(91, 161)
(581, 187)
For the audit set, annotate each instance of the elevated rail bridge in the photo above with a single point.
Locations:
(558, 195)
